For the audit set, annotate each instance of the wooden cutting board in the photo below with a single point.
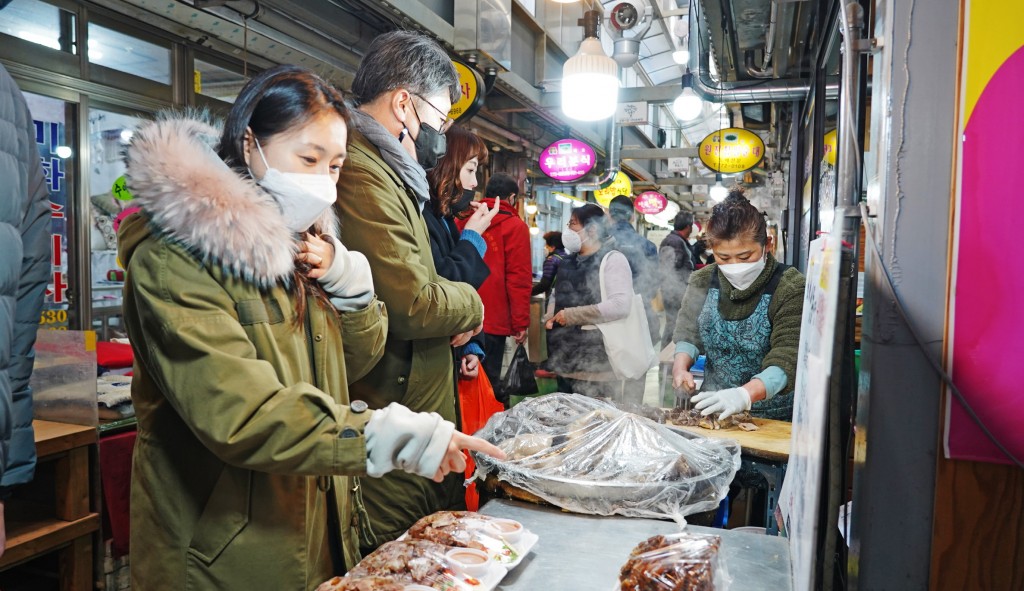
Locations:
(771, 441)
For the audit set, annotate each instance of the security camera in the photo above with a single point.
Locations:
(626, 15)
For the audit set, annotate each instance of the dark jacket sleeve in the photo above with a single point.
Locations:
(547, 276)
(454, 259)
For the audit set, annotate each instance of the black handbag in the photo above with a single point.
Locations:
(518, 379)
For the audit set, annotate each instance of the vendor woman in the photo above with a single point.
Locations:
(743, 313)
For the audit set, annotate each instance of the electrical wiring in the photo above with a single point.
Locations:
(902, 310)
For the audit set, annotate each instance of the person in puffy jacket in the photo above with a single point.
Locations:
(24, 267)
(556, 254)
(249, 319)
(506, 292)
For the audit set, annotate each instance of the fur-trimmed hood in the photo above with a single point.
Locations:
(191, 197)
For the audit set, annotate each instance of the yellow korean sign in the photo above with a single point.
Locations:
(621, 185)
(830, 147)
(731, 150)
(472, 85)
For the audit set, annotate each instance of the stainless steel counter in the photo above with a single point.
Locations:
(584, 552)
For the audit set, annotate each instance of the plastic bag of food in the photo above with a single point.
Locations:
(422, 562)
(505, 541)
(585, 455)
(678, 562)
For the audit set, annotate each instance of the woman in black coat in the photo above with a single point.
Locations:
(459, 256)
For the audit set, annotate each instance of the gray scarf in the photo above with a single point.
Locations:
(411, 173)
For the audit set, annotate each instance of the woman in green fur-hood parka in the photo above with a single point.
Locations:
(248, 320)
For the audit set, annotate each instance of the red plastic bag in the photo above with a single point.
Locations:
(477, 403)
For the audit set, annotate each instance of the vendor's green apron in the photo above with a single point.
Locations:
(736, 348)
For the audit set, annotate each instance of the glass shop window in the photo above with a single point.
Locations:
(128, 54)
(110, 201)
(217, 82)
(40, 23)
(54, 122)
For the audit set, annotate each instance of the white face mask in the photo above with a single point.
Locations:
(742, 275)
(301, 197)
(571, 241)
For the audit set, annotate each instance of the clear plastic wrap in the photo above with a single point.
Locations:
(506, 541)
(677, 562)
(585, 455)
(422, 562)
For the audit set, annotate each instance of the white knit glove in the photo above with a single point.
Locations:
(728, 402)
(415, 442)
(348, 281)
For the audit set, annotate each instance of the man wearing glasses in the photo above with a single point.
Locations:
(403, 91)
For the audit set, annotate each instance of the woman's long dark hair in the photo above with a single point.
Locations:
(445, 184)
(278, 100)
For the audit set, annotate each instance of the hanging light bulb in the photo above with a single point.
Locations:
(534, 230)
(718, 192)
(681, 56)
(590, 82)
(531, 208)
(687, 105)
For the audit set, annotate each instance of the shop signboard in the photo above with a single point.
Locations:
(472, 85)
(51, 137)
(731, 150)
(986, 326)
(567, 160)
(650, 202)
(801, 490)
(621, 185)
(678, 164)
(632, 113)
(831, 141)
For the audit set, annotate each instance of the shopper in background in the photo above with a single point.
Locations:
(743, 312)
(506, 292)
(576, 350)
(459, 255)
(247, 320)
(675, 263)
(555, 255)
(641, 254)
(24, 269)
(404, 88)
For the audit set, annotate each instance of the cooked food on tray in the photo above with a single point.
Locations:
(413, 561)
(361, 584)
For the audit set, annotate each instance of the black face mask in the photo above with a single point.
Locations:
(430, 146)
(461, 203)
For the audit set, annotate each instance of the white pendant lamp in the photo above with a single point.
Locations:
(718, 192)
(590, 79)
(687, 106)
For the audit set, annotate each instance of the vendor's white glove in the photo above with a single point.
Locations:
(415, 442)
(349, 276)
(728, 402)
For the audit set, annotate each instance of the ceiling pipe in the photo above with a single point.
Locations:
(741, 92)
(766, 70)
(613, 165)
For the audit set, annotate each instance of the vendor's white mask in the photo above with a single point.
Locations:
(743, 275)
(301, 197)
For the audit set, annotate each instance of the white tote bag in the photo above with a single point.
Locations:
(627, 340)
